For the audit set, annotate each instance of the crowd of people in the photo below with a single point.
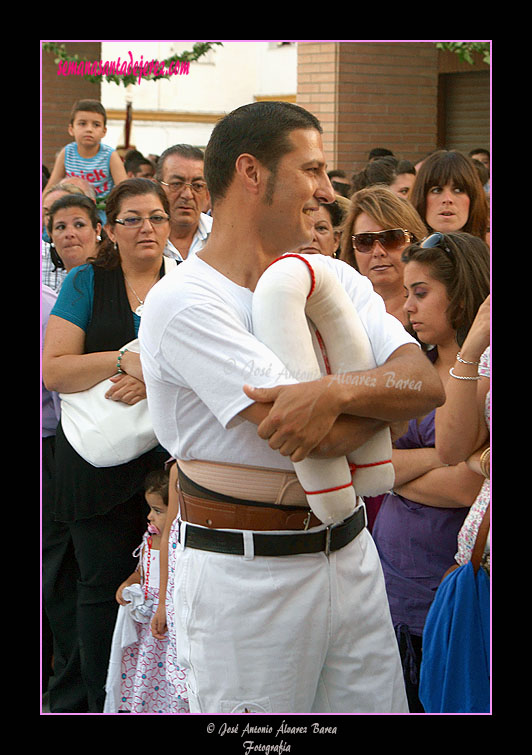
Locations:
(195, 577)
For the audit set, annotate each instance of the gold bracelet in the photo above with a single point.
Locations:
(484, 461)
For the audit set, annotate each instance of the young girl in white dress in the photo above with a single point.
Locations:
(163, 621)
(136, 680)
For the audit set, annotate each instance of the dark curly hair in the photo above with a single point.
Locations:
(157, 481)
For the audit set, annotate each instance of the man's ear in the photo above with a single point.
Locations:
(251, 172)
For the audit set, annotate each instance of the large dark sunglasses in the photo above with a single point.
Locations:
(436, 239)
(391, 241)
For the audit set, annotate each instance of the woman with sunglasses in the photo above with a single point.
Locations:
(449, 196)
(378, 227)
(100, 512)
(446, 279)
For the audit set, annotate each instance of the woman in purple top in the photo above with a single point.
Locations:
(446, 278)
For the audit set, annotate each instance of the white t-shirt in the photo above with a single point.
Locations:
(197, 351)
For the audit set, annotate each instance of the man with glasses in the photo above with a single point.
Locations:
(180, 172)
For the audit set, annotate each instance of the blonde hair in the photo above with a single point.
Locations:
(384, 207)
(66, 188)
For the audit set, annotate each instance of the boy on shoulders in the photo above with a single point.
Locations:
(86, 156)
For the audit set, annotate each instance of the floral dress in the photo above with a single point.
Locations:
(137, 676)
(468, 532)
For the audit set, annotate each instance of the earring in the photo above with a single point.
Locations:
(98, 238)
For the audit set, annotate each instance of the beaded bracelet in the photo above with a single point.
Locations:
(119, 360)
(459, 358)
(463, 377)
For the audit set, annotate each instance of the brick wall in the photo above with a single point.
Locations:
(317, 79)
(371, 95)
(59, 93)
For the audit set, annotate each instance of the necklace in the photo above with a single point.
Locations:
(139, 309)
(147, 578)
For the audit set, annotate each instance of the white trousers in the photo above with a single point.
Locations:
(287, 634)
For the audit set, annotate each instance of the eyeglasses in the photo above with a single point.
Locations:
(136, 221)
(391, 241)
(178, 186)
(435, 240)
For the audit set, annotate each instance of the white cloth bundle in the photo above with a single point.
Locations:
(292, 289)
(139, 610)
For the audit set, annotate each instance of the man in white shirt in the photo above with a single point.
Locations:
(270, 617)
(180, 172)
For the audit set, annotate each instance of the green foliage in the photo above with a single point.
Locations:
(188, 56)
(465, 50)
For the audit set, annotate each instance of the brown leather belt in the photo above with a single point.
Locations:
(216, 514)
(221, 512)
(224, 515)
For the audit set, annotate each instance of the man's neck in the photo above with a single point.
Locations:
(236, 247)
(181, 237)
(243, 262)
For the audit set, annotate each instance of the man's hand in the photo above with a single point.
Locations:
(294, 419)
(301, 416)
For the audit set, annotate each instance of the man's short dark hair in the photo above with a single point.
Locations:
(134, 163)
(261, 129)
(88, 106)
(380, 152)
(188, 151)
(336, 174)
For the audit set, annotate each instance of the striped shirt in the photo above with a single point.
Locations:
(95, 169)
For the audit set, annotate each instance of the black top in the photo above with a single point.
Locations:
(83, 491)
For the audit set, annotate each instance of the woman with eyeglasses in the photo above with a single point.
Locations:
(100, 512)
(449, 196)
(378, 227)
(446, 279)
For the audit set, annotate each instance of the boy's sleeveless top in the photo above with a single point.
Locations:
(95, 169)
(82, 490)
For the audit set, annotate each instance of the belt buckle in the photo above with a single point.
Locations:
(328, 540)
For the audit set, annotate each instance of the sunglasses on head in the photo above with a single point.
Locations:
(436, 239)
(391, 241)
